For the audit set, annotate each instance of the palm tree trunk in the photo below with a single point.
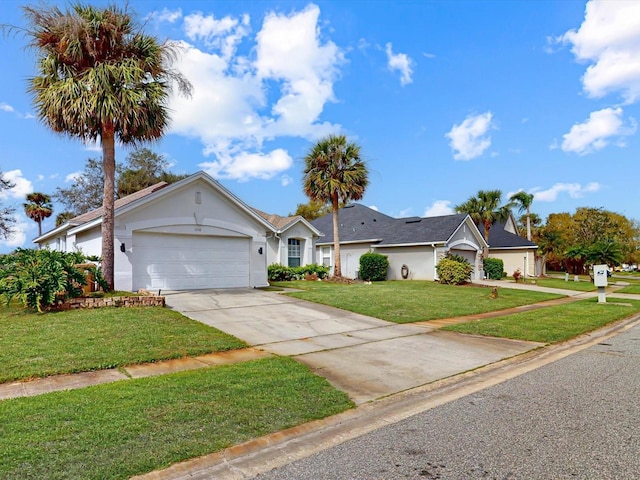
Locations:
(39, 228)
(528, 224)
(485, 249)
(108, 203)
(337, 266)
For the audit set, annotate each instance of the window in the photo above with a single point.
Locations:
(326, 256)
(294, 252)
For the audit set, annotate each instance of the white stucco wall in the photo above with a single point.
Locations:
(182, 212)
(419, 260)
(516, 259)
(307, 245)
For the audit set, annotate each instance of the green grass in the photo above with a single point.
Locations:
(551, 324)
(412, 301)
(39, 345)
(581, 286)
(131, 427)
(634, 288)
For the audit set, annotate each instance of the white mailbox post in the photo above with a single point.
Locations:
(600, 281)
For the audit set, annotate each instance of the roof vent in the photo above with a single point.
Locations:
(413, 220)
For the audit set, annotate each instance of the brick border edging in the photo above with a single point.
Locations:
(128, 301)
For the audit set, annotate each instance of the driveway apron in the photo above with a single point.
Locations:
(366, 357)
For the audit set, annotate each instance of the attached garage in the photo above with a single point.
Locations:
(183, 262)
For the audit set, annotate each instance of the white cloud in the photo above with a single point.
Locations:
(237, 103)
(166, 15)
(22, 185)
(285, 180)
(596, 133)
(93, 146)
(609, 39)
(5, 107)
(224, 34)
(18, 236)
(373, 207)
(405, 213)
(245, 165)
(469, 139)
(438, 208)
(400, 62)
(72, 176)
(40, 178)
(575, 190)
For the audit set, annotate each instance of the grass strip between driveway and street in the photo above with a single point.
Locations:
(552, 324)
(38, 345)
(581, 286)
(131, 427)
(413, 301)
(634, 288)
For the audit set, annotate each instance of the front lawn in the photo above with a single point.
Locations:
(551, 324)
(38, 345)
(581, 286)
(634, 288)
(131, 427)
(413, 301)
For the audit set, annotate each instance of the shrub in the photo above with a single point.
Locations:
(39, 278)
(282, 273)
(493, 268)
(517, 274)
(373, 267)
(453, 272)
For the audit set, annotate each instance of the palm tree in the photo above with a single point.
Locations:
(549, 241)
(101, 79)
(523, 200)
(485, 209)
(37, 208)
(335, 174)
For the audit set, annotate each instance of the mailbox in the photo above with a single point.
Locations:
(600, 275)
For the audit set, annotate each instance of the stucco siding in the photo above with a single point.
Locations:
(419, 260)
(516, 259)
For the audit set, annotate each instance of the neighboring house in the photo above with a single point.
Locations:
(415, 243)
(188, 235)
(418, 243)
(516, 252)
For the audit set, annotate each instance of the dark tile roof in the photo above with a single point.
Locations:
(501, 238)
(360, 223)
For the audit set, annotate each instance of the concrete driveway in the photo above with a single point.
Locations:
(366, 357)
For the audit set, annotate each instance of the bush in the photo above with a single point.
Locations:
(453, 272)
(282, 273)
(517, 274)
(373, 267)
(39, 278)
(493, 268)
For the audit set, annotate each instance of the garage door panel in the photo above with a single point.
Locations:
(182, 262)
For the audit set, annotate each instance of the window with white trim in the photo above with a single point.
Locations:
(326, 256)
(294, 252)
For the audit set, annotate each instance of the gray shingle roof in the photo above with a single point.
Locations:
(501, 238)
(360, 223)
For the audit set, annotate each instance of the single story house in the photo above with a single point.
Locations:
(191, 234)
(415, 245)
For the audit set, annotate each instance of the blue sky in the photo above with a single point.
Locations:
(445, 98)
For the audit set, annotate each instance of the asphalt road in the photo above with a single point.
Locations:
(578, 418)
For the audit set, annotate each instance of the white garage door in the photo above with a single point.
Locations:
(184, 262)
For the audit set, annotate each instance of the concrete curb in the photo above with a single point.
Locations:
(280, 448)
